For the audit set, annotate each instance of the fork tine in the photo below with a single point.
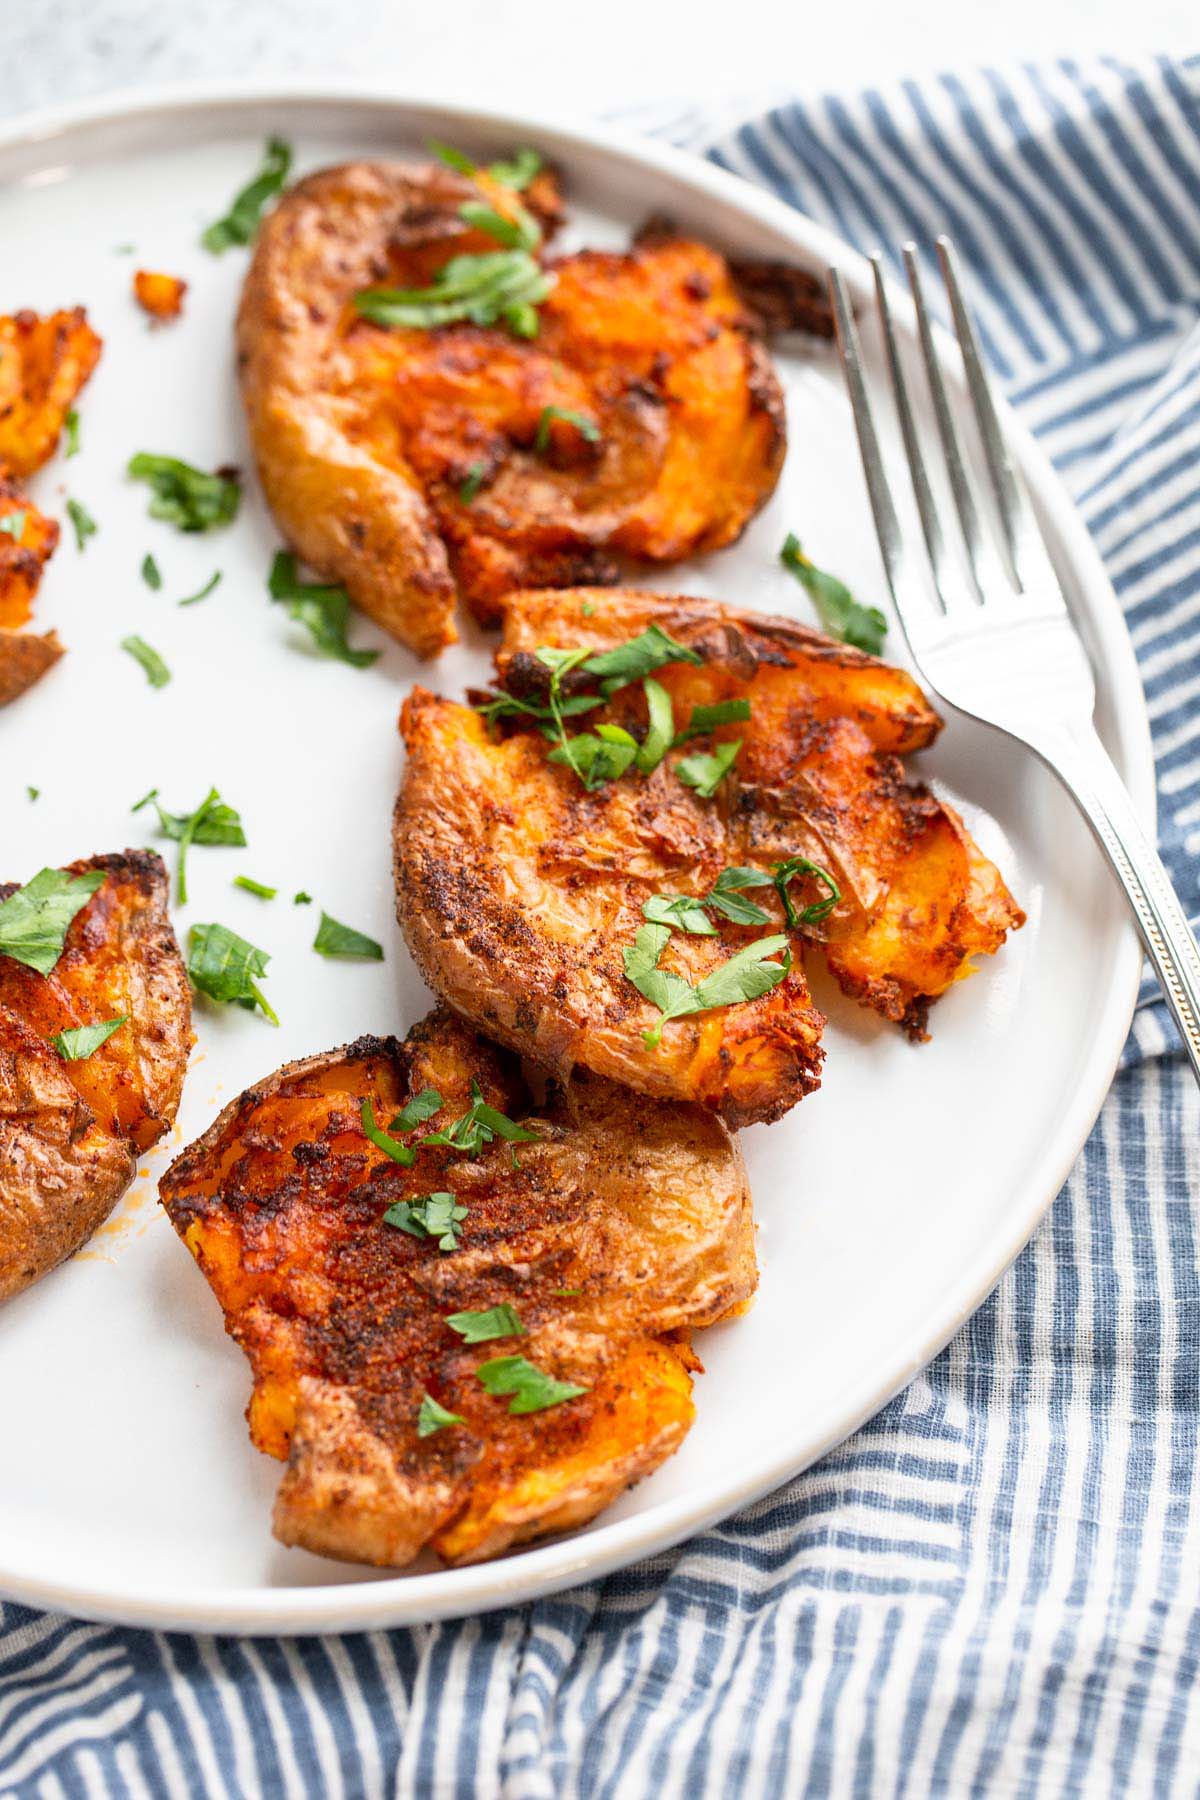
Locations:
(1021, 533)
(935, 543)
(960, 487)
(887, 525)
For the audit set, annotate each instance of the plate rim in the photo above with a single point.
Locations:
(562, 1563)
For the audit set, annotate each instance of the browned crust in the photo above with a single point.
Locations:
(25, 656)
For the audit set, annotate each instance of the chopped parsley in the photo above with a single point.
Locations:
(72, 423)
(151, 574)
(432, 1216)
(336, 939)
(519, 233)
(784, 873)
(14, 522)
(597, 756)
(202, 593)
(453, 159)
(157, 672)
(531, 1388)
(213, 822)
(473, 482)
(689, 913)
(249, 886)
(34, 921)
(241, 222)
(660, 730)
(433, 1417)
(588, 609)
(746, 976)
(83, 522)
(841, 615)
(323, 609)
(643, 655)
(302, 899)
(705, 771)
(85, 1040)
(33, 792)
(518, 171)
(478, 1126)
(416, 1111)
(706, 718)
(383, 1140)
(191, 498)
(481, 1327)
(587, 428)
(226, 968)
(495, 287)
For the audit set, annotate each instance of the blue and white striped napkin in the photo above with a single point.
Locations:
(995, 1586)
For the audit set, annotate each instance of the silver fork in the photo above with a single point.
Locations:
(997, 641)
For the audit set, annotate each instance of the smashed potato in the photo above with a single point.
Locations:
(44, 362)
(644, 418)
(70, 1130)
(621, 1227)
(520, 892)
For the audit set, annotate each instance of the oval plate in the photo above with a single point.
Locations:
(889, 1203)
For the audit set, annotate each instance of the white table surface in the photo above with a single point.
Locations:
(557, 55)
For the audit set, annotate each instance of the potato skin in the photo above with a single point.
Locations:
(70, 1131)
(518, 892)
(407, 464)
(644, 1210)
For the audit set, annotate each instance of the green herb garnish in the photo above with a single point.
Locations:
(33, 792)
(518, 171)
(746, 976)
(706, 718)
(433, 1417)
(841, 615)
(473, 483)
(519, 233)
(249, 886)
(498, 287)
(241, 222)
(416, 1111)
(643, 655)
(323, 609)
(453, 159)
(531, 1388)
(705, 771)
(597, 756)
(383, 1140)
(202, 593)
(586, 427)
(336, 939)
(157, 672)
(72, 423)
(302, 899)
(14, 523)
(478, 1126)
(150, 573)
(226, 968)
(34, 921)
(85, 1040)
(660, 729)
(82, 520)
(213, 822)
(481, 1327)
(190, 498)
(433, 1216)
(784, 872)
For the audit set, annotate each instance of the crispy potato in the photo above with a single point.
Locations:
(23, 553)
(70, 1131)
(24, 659)
(624, 1227)
(159, 295)
(44, 361)
(407, 463)
(518, 891)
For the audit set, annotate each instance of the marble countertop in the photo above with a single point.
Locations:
(546, 55)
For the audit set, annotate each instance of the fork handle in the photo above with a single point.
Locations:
(1088, 773)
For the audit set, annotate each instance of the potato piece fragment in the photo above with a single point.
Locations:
(44, 362)
(159, 295)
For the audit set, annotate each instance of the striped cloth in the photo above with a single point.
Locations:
(992, 1588)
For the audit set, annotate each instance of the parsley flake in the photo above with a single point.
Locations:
(746, 976)
(190, 498)
(213, 822)
(14, 523)
(518, 171)
(336, 939)
(302, 899)
(72, 423)
(382, 1140)
(531, 1388)
(587, 428)
(241, 222)
(472, 483)
(34, 921)
(83, 522)
(478, 1126)
(85, 1040)
(150, 573)
(416, 1111)
(497, 287)
(157, 672)
(433, 1417)
(481, 1327)
(323, 609)
(519, 233)
(226, 968)
(706, 718)
(33, 792)
(250, 886)
(705, 771)
(202, 593)
(432, 1216)
(841, 615)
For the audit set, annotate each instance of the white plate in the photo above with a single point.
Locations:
(889, 1202)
